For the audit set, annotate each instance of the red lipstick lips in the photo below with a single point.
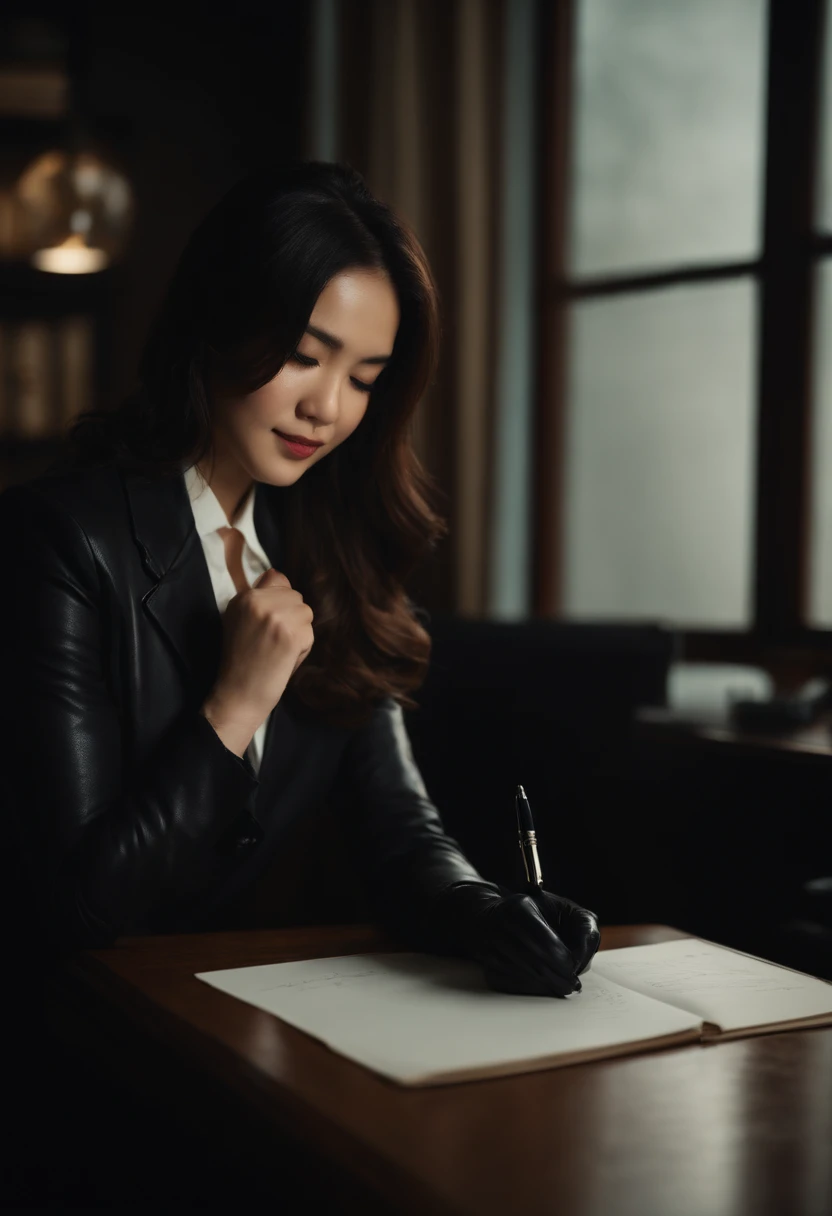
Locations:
(300, 439)
(297, 446)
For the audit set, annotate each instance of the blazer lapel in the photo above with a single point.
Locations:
(181, 600)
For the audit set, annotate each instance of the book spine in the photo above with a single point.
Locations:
(75, 367)
(8, 225)
(32, 368)
(5, 420)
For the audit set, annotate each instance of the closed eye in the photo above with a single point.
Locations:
(307, 361)
(304, 360)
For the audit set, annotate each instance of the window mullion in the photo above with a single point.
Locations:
(784, 359)
(555, 70)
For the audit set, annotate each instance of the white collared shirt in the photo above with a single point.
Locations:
(209, 517)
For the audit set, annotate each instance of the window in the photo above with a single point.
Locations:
(684, 406)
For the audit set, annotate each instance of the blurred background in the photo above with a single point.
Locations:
(628, 208)
(624, 204)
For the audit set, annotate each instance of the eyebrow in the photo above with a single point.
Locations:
(336, 344)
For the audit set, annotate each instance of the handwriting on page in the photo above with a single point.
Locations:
(725, 987)
(600, 1002)
(417, 1017)
(700, 973)
(331, 979)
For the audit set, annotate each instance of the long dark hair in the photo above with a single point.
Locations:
(358, 523)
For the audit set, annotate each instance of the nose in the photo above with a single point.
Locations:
(321, 403)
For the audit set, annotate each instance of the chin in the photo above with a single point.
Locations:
(278, 477)
(278, 472)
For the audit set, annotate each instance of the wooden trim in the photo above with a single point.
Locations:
(554, 83)
(609, 285)
(495, 110)
(355, 68)
(719, 643)
(784, 359)
(790, 662)
(474, 229)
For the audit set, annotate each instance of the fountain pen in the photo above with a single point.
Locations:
(528, 841)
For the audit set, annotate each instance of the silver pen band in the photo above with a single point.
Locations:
(531, 861)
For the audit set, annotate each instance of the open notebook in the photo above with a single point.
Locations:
(424, 1020)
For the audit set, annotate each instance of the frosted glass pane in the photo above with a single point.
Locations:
(659, 456)
(668, 133)
(824, 208)
(820, 568)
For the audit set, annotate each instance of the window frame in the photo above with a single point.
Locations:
(778, 638)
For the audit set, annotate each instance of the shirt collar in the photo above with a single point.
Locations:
(209, 515)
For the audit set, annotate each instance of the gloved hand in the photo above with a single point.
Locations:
(534, 944)
(574, 925)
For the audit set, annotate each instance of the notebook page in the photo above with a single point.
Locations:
(731, 989)
(417, 1018)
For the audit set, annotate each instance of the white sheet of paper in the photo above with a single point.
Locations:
(415, 1016)
(732, 989)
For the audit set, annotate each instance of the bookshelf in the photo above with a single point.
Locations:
(55, 329)
(53, 334)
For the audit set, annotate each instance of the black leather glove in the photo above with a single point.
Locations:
(535, 944)
(574, 925)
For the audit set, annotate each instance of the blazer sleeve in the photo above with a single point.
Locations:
(96, 856)
(411, 867)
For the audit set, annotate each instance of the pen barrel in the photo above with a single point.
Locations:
(531, 861)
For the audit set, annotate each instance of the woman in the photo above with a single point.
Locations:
(209, 633)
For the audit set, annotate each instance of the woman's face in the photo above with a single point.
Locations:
(321, 393)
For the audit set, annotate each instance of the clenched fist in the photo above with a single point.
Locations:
(267, 633)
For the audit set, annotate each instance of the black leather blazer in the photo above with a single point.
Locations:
(128, 812)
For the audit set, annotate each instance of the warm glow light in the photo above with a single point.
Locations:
(72, 256)
(76, 210)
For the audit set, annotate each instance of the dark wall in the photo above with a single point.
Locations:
(205, 99)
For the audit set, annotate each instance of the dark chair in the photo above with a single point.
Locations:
(540, 703)
(805, 941)
(546, 704)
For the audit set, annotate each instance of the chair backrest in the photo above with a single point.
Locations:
(545, 704)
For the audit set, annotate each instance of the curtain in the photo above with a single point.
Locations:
(421, 91)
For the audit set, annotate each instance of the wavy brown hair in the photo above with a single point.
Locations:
(357, 524)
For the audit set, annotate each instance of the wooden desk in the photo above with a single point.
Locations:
(741, 1127)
